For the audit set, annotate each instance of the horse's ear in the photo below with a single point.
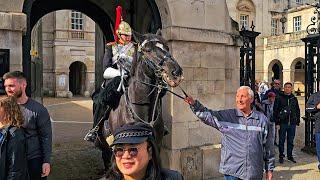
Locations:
(137, 37)
(158, 33)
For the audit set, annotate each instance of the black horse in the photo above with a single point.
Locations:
(153, 70)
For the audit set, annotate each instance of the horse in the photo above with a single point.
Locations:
(152, 72)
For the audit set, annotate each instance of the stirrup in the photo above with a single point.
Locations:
(92, 135)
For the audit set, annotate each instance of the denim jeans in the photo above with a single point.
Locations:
(318, 145)
(228, 177)
(35, 169)
(289, 131)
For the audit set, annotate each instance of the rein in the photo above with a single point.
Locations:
(161, 85)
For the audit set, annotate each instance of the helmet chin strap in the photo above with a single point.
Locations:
(122, 41)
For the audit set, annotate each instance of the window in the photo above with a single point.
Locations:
(297, 23)
(274, 27)
(76, 20)
(299, 65)
(244, 21)
(299, 1)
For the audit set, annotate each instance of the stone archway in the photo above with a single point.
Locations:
(143, 16)
(207, 48)
(77, 78)
(275, 70)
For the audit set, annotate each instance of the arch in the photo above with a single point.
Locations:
(77, 77)
(246, 5)
(298, 75)
(102, 12)
(295, 61)
(275, 70)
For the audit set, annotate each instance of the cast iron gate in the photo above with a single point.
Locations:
(312, 75)
(247, 57)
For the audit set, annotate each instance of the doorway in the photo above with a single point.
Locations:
(4, 67)
(77, 78)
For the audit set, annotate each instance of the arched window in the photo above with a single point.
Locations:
(246, 13)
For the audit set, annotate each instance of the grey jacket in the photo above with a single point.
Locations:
(246, 144)
(311, 107)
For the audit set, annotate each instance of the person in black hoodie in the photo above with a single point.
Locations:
(13, 157)
(287, 115)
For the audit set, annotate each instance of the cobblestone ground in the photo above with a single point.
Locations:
(75, 159)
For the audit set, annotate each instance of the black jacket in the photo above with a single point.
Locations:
(311, 107)
(13, 158)
(286, 109)
(172, 175)
(38, 130)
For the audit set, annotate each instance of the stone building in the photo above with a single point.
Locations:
(207, 49)
(68, 42)
(279, 49)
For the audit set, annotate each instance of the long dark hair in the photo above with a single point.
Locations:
(153, 170)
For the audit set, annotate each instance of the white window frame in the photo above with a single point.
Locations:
(297, 23)
(299, 1)
(244, 20)
(274, 26)
(77, 21)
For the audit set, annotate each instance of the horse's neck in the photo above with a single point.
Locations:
(143, 83)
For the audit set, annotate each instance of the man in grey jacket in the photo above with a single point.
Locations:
(37, 126)
(313, 106)
(247, 144)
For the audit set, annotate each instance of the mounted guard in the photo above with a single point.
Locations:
(137, 76)
(117, 62)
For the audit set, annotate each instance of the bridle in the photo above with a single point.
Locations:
(160, 85)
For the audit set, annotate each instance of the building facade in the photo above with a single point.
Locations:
(207, 49)
(279, 49)
(68, 42)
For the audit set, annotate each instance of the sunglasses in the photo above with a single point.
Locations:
(119, 151)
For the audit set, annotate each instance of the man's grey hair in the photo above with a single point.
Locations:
(250, 92)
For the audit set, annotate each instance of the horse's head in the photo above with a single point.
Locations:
(155, 51)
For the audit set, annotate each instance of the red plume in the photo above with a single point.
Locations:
(117, 22)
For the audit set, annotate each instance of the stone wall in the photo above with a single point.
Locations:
(208, 51)
(12, 27)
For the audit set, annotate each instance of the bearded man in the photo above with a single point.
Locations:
(37, 126)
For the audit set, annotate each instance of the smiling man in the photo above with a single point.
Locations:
(247, 142)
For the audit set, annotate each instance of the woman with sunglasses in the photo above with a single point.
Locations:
(136, 156)
(13, 160)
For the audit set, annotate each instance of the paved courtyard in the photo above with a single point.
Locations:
(74, 158)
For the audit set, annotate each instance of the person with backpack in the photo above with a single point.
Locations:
(267, 108)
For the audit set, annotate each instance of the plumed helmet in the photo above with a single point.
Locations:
(124, 28)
